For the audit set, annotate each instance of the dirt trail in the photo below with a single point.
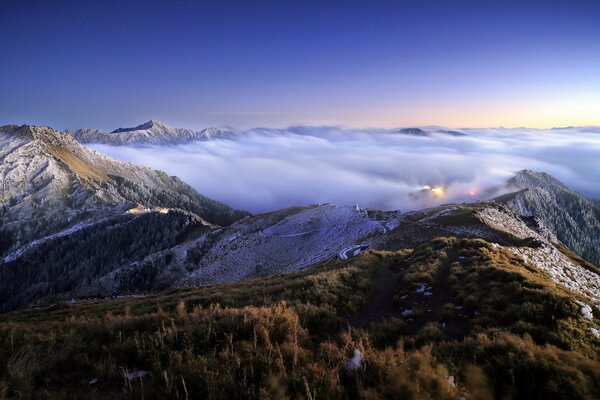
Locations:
(386, 284)
(379, 303)
(433, 305)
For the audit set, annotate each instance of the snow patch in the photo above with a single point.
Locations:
(424, 289)
(586, 310)
(135, 374)
(353, 251)
(355, 362)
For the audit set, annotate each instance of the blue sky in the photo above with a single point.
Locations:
(277, 63)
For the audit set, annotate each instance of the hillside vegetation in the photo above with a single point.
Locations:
(75, 264)
(469, 319)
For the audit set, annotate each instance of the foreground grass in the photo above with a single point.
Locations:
(492, 328)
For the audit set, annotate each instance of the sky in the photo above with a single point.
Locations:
(109, 64)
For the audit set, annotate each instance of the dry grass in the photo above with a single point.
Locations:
(285, 337)
(78, 166)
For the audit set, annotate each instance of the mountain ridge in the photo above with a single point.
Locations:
(572, 218)
(151, 132)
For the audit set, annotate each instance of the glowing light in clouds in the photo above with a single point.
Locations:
(438, 191)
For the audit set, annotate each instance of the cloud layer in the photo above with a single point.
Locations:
(267, 169)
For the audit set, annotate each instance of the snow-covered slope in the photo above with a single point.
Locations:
(275, 243)
(151, 132)
(50, 182)
(545, 255)
(572, 218)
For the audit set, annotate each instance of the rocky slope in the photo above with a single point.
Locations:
(572, 218)
(151, 132)
(50, 182)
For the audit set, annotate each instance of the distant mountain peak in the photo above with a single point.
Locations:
(413, 131)
(423, 133)
(153, 123)
(8, 128)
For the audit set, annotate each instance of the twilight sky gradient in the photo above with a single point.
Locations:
(245, 63)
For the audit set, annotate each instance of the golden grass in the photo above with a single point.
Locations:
(75, 164)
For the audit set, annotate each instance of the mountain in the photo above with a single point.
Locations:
(572, 218)
(423, 133)
(295, 239)
(191, 253)
(412, 132)
(51, 183)
(451, 133)
(280, 242)
(151, 132)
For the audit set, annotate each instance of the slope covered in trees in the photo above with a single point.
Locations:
(71, 265)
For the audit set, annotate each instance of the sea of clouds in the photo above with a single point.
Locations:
(267, 169)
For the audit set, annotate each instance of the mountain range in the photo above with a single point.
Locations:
(155, 132)
(151, 132)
